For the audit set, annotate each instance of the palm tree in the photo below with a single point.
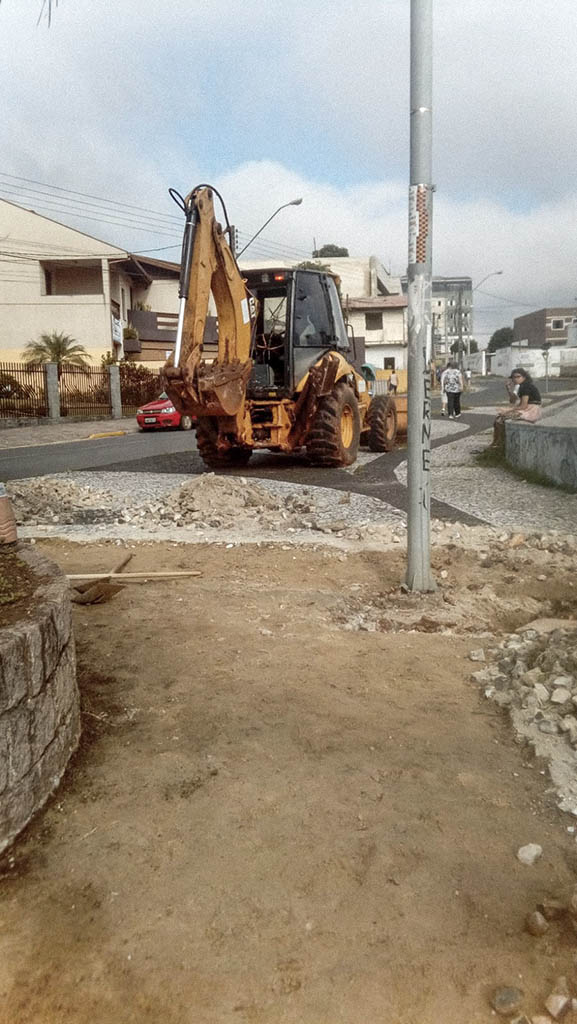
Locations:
(56, 348)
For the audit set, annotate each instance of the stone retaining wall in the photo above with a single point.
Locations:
(39, 702)
(549, 451)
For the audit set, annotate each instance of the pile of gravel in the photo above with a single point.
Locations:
(203, 503)
(52, 500)
(534, 675)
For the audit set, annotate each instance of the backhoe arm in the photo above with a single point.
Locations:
(197, 388)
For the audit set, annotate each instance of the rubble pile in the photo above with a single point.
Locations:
(451, 609)
(217, 501)
(534, 675)
(211, 506)
(59, 501)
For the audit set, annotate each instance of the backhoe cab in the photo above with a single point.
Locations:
(280, 377)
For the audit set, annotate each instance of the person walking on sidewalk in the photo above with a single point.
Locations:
(452, 385)
(393, 383)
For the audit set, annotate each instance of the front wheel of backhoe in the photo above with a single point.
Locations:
(382, 419)
(333, 439)
(213, 456)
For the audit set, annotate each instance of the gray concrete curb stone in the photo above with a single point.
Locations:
(39, 701)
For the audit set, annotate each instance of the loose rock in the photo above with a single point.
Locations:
(507, 1000)
(478, 655)
(530, 853)
(536, 923)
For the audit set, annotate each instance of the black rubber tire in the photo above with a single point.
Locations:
(185, 423)
(382, 419)
(214, 457)
(334, 437)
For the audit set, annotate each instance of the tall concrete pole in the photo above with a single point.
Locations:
(419, 576)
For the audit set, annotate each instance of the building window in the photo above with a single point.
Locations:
(62, 278)
(389, 364)
(557, 325)
(373, 321)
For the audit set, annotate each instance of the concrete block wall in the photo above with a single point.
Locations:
(549, 451)
(39, 702)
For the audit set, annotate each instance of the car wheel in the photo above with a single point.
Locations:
(185, 422)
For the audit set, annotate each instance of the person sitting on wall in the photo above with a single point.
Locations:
(527, 405)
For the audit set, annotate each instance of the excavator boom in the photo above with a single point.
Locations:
(208, 265)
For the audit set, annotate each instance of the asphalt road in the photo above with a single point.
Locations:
(175, 452)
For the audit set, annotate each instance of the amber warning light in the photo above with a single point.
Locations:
(279, 277)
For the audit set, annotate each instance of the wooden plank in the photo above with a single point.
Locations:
(131, 575)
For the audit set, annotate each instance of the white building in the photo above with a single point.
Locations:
(373, 303)
(55, 278)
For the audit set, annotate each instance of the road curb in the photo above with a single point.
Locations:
(110, 433)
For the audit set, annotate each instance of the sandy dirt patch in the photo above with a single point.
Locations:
(278, 815)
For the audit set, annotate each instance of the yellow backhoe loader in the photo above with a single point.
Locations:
(280, 377)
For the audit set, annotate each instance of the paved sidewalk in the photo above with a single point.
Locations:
(494, 495)
(58, 433)
(562, 414)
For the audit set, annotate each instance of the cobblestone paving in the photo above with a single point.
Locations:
(495, 495)
(137, 490)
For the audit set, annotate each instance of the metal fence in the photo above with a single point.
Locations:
(22, 391)
(84, 392)
(137, 387)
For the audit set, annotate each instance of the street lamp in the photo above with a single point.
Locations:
(293, 202)
(494, 273)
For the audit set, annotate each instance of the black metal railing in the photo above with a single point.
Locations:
(22, 391)
(84, 392)
(138, 385)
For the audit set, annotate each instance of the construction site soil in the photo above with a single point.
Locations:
(291, 803)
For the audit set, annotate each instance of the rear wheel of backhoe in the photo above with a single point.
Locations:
(382, 419)
(333, 439)
(213, 456)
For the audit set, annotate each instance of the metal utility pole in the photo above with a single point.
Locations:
(419, 576)
(461, 347)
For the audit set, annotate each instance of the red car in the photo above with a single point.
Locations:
(161, 413)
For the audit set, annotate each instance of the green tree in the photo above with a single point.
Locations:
(58, 348)
(500, 339)
(311, 265)
(330, 250)
(473, 347)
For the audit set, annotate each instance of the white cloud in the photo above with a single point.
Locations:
(273, 102)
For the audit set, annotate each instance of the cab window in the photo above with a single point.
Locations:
(339, 330)
(313, 326)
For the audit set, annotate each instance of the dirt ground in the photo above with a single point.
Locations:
(276, 816)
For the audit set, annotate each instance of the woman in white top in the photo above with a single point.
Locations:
(452, 385)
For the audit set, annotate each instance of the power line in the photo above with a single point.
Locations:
(140, 225)
(78, 205)
(513, 302)
(84, 195)
(163, 220)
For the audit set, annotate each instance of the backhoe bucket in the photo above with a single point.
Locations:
(222, 387)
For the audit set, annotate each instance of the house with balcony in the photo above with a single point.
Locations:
(56, 278)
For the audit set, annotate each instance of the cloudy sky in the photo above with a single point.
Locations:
(268, 101)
